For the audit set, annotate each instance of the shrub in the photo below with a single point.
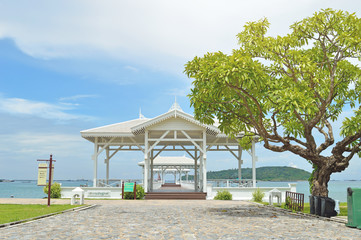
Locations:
(288, 203)
(139, 193)
(55, 191)
(223, 195)
(258, 195)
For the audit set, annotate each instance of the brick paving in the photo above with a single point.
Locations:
(177, 219)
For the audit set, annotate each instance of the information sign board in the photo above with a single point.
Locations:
(42, 173)
(52, 174)
(128, 187)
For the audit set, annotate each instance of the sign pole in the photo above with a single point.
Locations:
(50, 170)
(123, 190)
(50, 173)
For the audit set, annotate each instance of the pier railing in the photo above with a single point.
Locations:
(115, 182)
(214, 182)
(230, 182)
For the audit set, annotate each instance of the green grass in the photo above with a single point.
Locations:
(343, 209)
(306, 208)
(16, 212)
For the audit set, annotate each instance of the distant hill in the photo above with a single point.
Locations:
(262, 174)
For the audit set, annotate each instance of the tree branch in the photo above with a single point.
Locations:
(329, 139)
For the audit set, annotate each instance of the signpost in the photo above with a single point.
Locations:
(129, 187)
(41, 173)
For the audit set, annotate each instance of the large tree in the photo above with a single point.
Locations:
(289, 90)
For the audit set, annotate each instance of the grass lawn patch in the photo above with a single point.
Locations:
(306, 207)
(17, 212)
(343, 209)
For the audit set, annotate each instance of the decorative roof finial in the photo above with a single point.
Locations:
(141, 116)
(175, 106)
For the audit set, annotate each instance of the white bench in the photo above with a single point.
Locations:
(275, 193)
(77, 193)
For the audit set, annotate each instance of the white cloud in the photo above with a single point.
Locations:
(39, 109)
(77, 97)
(291, 164)
(38, 143)
(71, 152)
(178, 92)
(160, 34)
(133, 69)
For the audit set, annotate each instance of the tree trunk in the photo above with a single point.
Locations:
(320, 181)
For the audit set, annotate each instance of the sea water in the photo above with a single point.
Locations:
(30, 189)
(336, 189)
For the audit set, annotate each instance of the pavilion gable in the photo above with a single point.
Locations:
(174, 120)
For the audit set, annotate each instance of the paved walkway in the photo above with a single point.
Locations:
(173, 219)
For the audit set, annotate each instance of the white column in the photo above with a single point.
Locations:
(253, 163)
(204, 174)
(146, 169)
(107, 164)
(201, 161)
(151, 170)
(195, 171)
(240, 162)
(175, 176)
(204, 167)
(187, 176)
(95, 161)
(143, 173)
(162, 175)
(180, 175)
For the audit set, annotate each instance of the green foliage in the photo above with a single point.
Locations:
(16, 212)
(139, 193)
(258, 195)
(311, 178)
(287, 89)
(288, 203)
(223, 195)
(263, 174)
(55, 191)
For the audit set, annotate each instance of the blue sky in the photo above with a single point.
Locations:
(66, 66)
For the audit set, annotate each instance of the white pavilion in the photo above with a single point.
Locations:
(174, 131)
(173, 165)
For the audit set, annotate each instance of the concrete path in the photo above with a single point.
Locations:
(173, 219)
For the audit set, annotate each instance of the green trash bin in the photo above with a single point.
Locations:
(354, 207)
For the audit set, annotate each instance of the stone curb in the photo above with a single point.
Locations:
(12, 224)
(332, 219)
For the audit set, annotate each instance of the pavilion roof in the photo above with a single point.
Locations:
(123, 128)
(138, 126)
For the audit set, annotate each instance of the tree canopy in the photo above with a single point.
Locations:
(289, 90)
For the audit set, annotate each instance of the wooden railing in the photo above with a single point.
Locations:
(295, 201)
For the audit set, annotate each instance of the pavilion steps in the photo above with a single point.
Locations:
(176, 195)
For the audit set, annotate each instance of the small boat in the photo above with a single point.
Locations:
(6, 180)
